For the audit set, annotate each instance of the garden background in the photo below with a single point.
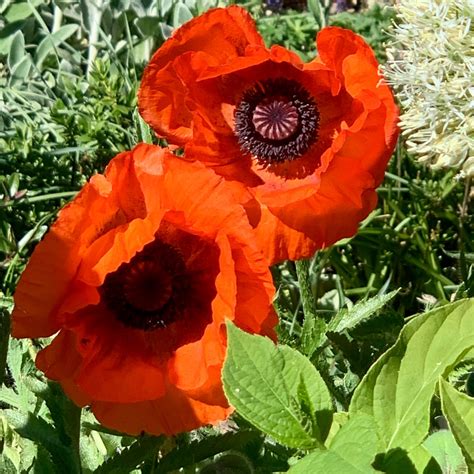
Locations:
(69, 73)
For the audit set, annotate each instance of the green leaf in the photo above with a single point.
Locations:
(91, 458)
(52, 41)
(197, 451)
(166, 31)
(459, 410)
(397, 460)
(360, 312)
(398, 388)
(165, 7)
(442, 446)
(230, 463)
(421, 460)
(21, 70)
(181, 14)
(132, 456)
(146, 25)
(276, 389)
(17, 50)
(41, 432)
(351, 451)
(10, 397)
(23, 396)
(19, 11)
(43, 464)
(6, 465)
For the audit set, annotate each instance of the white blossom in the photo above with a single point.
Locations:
(431, 66)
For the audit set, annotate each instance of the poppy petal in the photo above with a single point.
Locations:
(223, 34)
(173, 413)
(53, 266)
(109, 373)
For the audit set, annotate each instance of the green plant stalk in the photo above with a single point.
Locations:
(306, 291)
(75, 433)
(313, 331)
(463, 212)
(44, 197)
(4, 338)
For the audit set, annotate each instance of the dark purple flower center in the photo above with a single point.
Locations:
(149, 292)
(276, 121)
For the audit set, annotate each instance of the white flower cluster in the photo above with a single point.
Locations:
(431, 66)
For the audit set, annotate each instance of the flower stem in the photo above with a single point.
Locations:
(306, 292)
(314, 328)
(74, 422)
(4, 338)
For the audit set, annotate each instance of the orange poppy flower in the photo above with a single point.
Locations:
(136, 277)
(309, 142)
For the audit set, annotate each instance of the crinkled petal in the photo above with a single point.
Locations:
(222, 34)
(117, 365)
(171, 414)
(54, 264)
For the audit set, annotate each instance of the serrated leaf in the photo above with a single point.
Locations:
(442, 446)
(132, 456)
(15, 358)
(266, 383)
(459, 410)
(197, 451)
(52, 41)
(360, 312)
(351, 451)
(313, 334)
(10, 397)
(65, 416)
(398, 388)
(41, 432)
(181, 14)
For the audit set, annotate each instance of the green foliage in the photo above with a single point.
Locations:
(442, 446)
(352, 450)
(196, 451)
(295, 31)
(398, 388)
(362, 311)
(373, 25)
(389, 415)
(459, 410)
(276, 389)
(131, 457)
